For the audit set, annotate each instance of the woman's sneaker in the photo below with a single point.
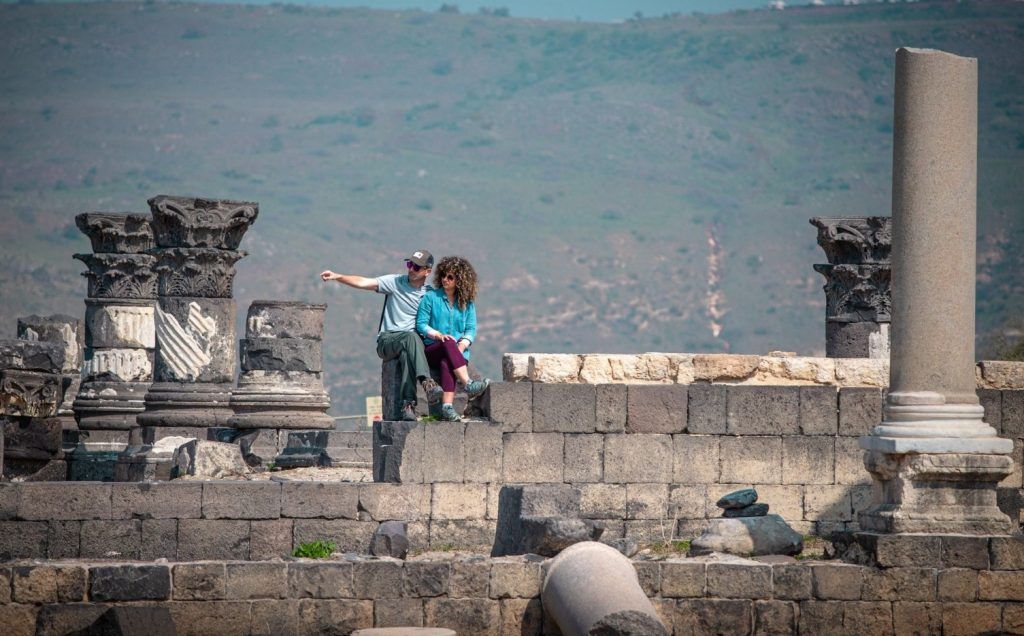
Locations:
(476, 387)
(433, 391)
(448, 414)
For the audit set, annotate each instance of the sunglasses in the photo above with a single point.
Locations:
(413, 266)
(449, 277)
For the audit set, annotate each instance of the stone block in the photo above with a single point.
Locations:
(423, 579)
(111, 539)
(158, 500)
(899, 584)
(377, 579)
(751, 460)
(739, 580)
(386, 502)
(683, 579)
(819, 410)
(656, 408)
(646, 501)
(850, 462)
(398, 612)
(62, 539)
(860, 410)
(992, 401)
(820, 617)
(31, 438)
(695, 459)
(462, 534)
(39, 584)
(714, 616)
(1012, 413)
(256, 580)
(515, 577)
(199, 581)
(224, 618)
(965, 552)
(119, 326)
(902, 550)
(521, 616)
(332, 579)
(688, 502)
(584, 458)
(774, 617)
(482, 452)
(470, 577)
(273, 618)
(64, 500)
(564, 408)
(785, 501)
(347, 535)
(270, 539)
(792, 581)
(916, 618)
(763, 410)
(442, 456)
(610, 410)
(599, 501)
(241, 500)
(827, 503)
(458, 501)
(511, 404)
(1000, 585)
(8, 494)
(319, 499)
(31, 355)
(1007, 553)
(23, 540)
(631, 458)
(200, 539)
(957, 584)
(467, 616)
(650, 530)
(129, 582)
(706, 408)
(532, 457)
(867, 617)
(281, 354)
(837, 581)
(648, 574)
(19, 620)
(808, 459)
(1013, 618)
(959, 619)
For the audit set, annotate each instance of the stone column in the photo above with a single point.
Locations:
(935, 463)
(281, 385)
(857, 299)
(68, 333)
(197, 248)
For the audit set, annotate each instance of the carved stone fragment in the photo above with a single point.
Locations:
(281, 354)
(855, 240)
(29, 355)
(109, 405)
(285, 319)
(29, 393)
(118, 365)
(196, 272)
(195, 340)
(63, 330)
(120, 275)
(112, 233)
(119, 325)
(32, 438)
(857, 293)
(196, 222)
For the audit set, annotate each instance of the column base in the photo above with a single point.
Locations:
(110, 405)
(273, 407)
(936, 493)
(187, 404)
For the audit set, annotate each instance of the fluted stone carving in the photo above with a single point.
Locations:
(195, 222)
(281, 385)
(67, 332)
(116, 233)
(857, 285)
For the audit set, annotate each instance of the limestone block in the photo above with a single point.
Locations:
(763, 410)
(631, 458)
(862, 372)
(739, 580)
(458, 501)
(827, 503)
(808, 460)
(772, 369)
(599, 501)
(318, 499)
(688, 502)
(554, 367)
(281, 354)
(199, 581)
(751, 459)
(598, 368)
(29, 393)
(285, 319)
(584, 458)
(656, 409)
(660, 367)
(121, 539)
(64, 500)
(791, 581)
(510, 403)
(200, 539)
(41, 584)
(515, 367)
(683, 579)
(1001, 374)
(685, 372)
(532, 457)
(331, 579)
(166, 500)
(129, 582)
(716, 367)
(646, 501)
(31, 355)
(195, 340)
(707, 408)
(124, 326)
(256, 580)
(118, 365)
(695, 459)
(860, 410)
(385, 502)
(464, 615)
(347, 535)
(610, 412)
(568, 408)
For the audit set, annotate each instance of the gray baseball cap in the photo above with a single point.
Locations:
(423, 258)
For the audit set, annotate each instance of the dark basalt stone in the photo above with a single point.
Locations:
(31, 355)
(753, 510)
(116, 233)
(737, 499)
(198, 222)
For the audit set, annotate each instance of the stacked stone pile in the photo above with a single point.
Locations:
(30, 395)
(67, 332)
(746, 529)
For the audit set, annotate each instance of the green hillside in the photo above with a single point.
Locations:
(601, 177)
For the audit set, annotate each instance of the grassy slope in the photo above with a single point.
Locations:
(582, 167)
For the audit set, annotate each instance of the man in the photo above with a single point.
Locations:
(397, 337)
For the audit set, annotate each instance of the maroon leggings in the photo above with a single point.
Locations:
(446, 357)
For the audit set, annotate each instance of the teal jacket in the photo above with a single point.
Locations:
(437, 314)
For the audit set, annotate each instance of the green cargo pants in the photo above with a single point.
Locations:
(412, 362)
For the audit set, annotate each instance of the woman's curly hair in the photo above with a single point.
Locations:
(465, 278)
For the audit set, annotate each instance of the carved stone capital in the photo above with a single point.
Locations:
(29, 393)
(63, 330)
(194, 222)
(120, 275)
(857, 293)
(285, 319)
(855, 240)
(112, 233)
(199, 272)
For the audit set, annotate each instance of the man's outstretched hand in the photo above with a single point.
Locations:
(327, 275)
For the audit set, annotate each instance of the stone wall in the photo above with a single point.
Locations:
(957, 593)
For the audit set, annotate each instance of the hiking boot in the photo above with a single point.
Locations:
(432, 390)
(476, 387)
(409, 412)
(448, 414)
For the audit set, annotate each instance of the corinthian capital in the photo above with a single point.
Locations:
(116, 233)
(855, 240)
(857, 293)
(196, 272)
(193, 222)
(120, 275)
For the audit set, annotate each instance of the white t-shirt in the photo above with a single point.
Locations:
(402, 302)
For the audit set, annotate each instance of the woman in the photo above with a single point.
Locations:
(447, 321)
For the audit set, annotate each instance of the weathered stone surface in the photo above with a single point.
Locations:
(194, 222)
(199, 581)
(723, 367)
(111, 539)
(195, 340)
(41, 584)
(22, 540)
(285, 319)
(707, 408)
(638, 458)
(60, 329)
(564, 408)
(256, 580)
(751, 459)
(753, 510)
(510, 403)
(29, 393)
(737, 499)
(119, 325)
(214, 460)
(610, 411)
(241, 500)
(470, 616)
(819, 410)
(377, 579)
(808, 459)
(519, 502)
(200, 539)
(112, 233)
(320, 580)
(532, 458)
(653, 408)
(1007, 553)
(425, 579)
(748, 536)
(347, 535)
(121, 365)
(695, 459)
(458, 501)
(860, 410)
(552, 368)
(35, 438)
(584, 458)
(319, 499)
(390, 539)
(129, 582)
(763, 410)
(128, 276)
(739, 580)
(547, 536)
(178, 500)
(791, 582)
(387, 501)
(281, 354)
(55, 501)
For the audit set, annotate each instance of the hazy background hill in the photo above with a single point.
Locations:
(621, 188)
